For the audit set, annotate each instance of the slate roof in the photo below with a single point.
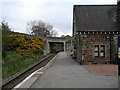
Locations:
(118, 15)
(94, 18)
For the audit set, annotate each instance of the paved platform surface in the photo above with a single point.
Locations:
(67, 73)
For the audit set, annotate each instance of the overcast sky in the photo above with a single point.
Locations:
(58, 13)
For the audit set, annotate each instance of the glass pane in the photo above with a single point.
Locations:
(96, 54)
(102, 54)
(96, 48)
(102, 48)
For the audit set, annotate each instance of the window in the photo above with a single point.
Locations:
(96, 50)
(99, 51)
(102, 51)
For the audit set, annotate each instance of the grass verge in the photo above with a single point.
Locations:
(13, 63)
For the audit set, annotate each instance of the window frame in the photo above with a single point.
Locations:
(96, 51)
(102, 51)
(99, 50)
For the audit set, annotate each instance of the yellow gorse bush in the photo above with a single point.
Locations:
(26, 45)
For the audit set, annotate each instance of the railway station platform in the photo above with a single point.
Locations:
(65, 72)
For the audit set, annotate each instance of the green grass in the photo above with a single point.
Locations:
(13, 63)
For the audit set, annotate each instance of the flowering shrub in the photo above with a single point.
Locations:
(26, 45)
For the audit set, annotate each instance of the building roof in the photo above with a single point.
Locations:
(94, 18)
(118, 15)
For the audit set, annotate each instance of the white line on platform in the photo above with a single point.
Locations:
(17, 86)
(39, 73)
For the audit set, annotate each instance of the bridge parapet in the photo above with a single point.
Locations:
(56, 39)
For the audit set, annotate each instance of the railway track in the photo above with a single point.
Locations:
(18, 77)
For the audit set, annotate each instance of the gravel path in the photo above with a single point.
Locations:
(67, 73)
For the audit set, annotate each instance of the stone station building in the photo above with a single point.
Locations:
(95, 31)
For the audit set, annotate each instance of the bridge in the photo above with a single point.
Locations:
(52, 40)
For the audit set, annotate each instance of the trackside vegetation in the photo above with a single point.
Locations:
(19, 51)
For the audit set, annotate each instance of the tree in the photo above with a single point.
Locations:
(40, 28)
(53, 33)
(68, 36)
(5, 36)
(63, 36)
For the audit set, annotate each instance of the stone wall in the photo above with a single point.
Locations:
(114, 49)
(88, 46)
(78, 46)
(85, 46)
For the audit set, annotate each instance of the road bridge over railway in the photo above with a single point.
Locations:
(51, 40)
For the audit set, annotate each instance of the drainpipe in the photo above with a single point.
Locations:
(81, 62)
(110, 48)
(118, 55)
